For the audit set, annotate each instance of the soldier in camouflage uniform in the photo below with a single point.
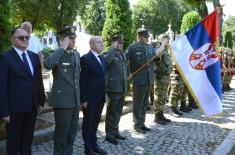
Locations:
(176, 91)
(225, 70)
(138, 54)
(116, 86)
(163, 70)
(154, 44)
(230, 67)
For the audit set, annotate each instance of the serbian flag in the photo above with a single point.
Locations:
(199, 63)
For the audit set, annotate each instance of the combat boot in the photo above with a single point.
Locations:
(175, 111)
(165, 119)
(159, 119)
(192, 104)
(184, 108)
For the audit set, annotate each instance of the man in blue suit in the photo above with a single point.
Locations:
(92, 85)
(22, 96)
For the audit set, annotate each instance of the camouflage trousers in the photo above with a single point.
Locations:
(161, 92)
(184, 95)
(226, 79)
(177, 86)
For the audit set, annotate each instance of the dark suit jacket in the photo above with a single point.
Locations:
(21, 91)
(1, 90)
(92, 79)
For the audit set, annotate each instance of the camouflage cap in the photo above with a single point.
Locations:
(143, 32)
(68, 31)
(118, 38)
(163, 36)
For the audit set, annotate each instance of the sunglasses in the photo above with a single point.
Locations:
(23, 38)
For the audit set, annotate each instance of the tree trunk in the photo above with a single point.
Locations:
(202, 9)
(218, 6)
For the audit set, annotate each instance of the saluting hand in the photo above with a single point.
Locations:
(114, 44)
(165, 42)
(64, 43)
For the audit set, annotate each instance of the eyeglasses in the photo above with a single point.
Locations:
(23, 38)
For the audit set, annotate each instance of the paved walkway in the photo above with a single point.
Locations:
(192, 134)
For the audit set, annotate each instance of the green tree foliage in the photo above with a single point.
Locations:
(46, 14)
(118, 21)
(24, 10)
(93, 17)
(229, 24)
(155, 15)
(199, 5)
(4, 26)
(189, 20)
(228, 40)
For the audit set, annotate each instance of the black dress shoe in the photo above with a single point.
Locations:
(89, 152)
(99, 150)
(120, 137)
(145, 128)
(137, 129)
(112, 140)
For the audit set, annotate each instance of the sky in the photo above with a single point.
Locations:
(228, 8)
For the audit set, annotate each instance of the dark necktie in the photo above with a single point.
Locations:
(26, 63)
(101, 62)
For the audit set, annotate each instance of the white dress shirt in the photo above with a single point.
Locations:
(34, 44)
(19, 52)
(97, 56)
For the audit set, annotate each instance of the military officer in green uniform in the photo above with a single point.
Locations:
(138, 54)
(116, 86)
(163, 70)
(65, 95)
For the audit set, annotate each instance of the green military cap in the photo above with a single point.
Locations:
(68, 31)
(143, 32)
(118, 38)
(163, 36)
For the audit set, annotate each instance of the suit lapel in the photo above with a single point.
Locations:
(32, 61)
(95, 60)
(19, 61)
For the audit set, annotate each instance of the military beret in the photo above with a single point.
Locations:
(143, 32)
(118, 38)
(163, 36)
(68, 31)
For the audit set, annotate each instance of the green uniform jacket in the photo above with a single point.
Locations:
(66, 73)
(163, 65)
(139, 54)
(116, 75)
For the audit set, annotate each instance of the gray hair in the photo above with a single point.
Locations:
(93, 40)
(25, 24)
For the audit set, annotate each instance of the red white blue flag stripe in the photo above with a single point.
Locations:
(199, 63)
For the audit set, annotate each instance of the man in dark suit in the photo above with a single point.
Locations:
(23, 93)
(92, 85)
